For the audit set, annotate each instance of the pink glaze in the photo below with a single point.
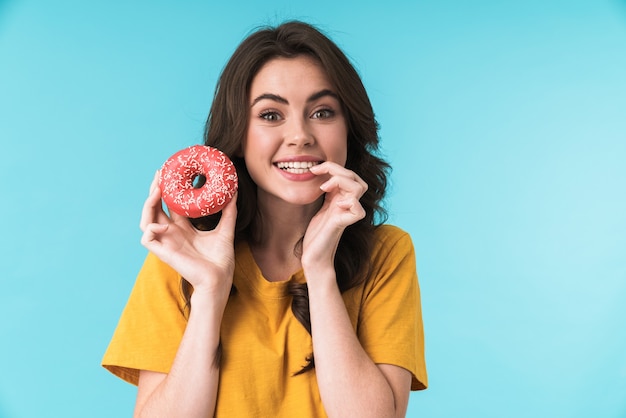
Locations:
(179, 171)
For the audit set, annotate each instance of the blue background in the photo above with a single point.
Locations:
(505, 122)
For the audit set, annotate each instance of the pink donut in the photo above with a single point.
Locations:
(181, 169)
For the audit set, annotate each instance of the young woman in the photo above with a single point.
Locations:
(297, 302)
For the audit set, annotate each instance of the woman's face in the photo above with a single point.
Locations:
(296, 120)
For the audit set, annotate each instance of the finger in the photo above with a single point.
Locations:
(228, 220)
(152, 211)
(344, 185)
(337, 171)
(352, 211)
(180, 220)
(352, 205)
(149, 239)
(155, 181)
(148, 214)
(328, 167)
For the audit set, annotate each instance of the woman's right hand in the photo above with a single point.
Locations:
(206, 259)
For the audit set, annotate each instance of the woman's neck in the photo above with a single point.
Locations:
(277, 232)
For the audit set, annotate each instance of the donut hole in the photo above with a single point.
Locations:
(206, 223)
(198, 180)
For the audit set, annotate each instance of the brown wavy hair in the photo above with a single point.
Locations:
(226, 128)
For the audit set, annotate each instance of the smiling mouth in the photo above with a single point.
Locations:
(297, 167)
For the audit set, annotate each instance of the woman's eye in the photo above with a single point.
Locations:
(323, 114)
(270, 116)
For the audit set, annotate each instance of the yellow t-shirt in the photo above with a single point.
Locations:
(263, 343)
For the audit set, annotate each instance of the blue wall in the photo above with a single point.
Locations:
(505, 123)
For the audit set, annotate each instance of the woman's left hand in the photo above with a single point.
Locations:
(341, 208)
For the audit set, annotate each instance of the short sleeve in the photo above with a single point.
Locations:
(151, 326)
(390, 323)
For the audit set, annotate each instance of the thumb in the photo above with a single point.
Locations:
(228, 220)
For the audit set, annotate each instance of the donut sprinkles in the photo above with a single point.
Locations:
(177, 181)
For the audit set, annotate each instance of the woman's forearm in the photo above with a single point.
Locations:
(190, 388)
(350, 383)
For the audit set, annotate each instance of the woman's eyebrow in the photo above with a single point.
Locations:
(322, 93)
(270, 96)
(280, 99)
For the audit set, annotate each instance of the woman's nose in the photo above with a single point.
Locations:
(299, 134)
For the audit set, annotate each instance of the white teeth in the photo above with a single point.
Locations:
(297, 167)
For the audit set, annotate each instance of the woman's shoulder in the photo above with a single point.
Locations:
(391, 243)
(157, 280)
(155, 269)
(387, 234)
